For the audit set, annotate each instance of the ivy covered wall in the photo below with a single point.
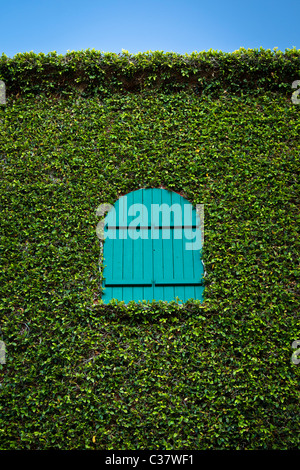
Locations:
(82, 129)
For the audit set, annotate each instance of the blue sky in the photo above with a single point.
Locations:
(181, 26)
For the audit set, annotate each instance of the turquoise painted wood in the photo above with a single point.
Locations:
(147, 252)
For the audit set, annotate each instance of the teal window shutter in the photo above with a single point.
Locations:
(152, 249)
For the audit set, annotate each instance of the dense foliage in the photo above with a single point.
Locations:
(83, 375)
(94, 73)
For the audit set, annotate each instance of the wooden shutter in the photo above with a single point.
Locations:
(157, 265)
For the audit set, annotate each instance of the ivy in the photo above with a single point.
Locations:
(85, 128)
(93, 72)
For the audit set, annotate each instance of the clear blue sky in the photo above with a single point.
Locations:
(181, 26)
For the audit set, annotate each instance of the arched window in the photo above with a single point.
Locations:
(152, 248)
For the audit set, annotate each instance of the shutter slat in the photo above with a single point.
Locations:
(176, 282)
(122, 282)
(145, 227)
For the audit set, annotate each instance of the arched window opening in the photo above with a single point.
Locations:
(152, 248)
